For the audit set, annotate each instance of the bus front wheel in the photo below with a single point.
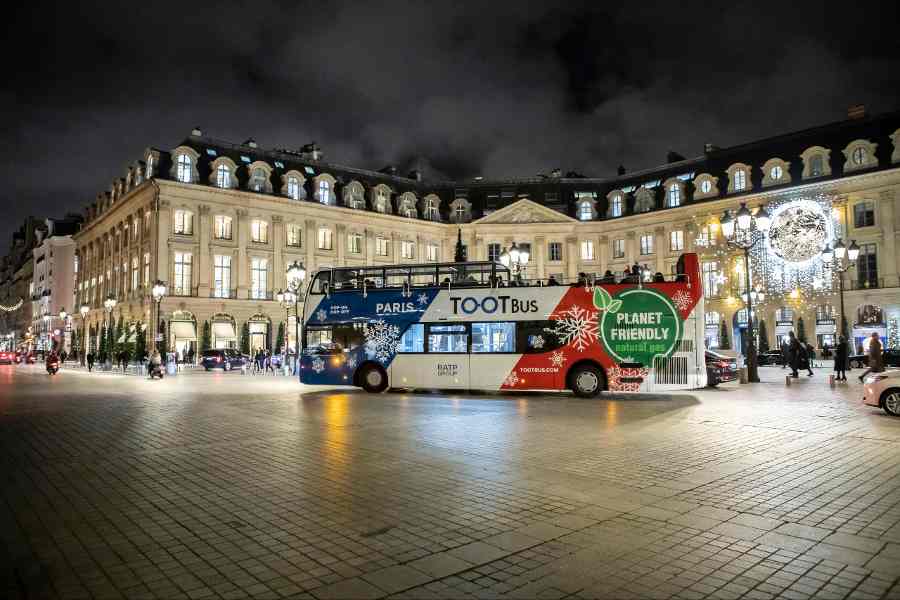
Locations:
(586, 380)
(373, 379)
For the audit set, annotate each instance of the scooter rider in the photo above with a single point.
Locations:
(52, 362)
(155, 364)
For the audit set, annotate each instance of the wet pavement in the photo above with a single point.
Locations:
(224, 485)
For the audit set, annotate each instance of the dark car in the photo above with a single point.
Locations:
(772, 357)
(223, 359)
(7, 357)
(890, 357)
(720, 368)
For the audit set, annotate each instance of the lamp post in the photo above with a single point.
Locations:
(63, 316)
(841, 259)
(743, 231)
(515, 259)
(296, 274)
(109, 304)
(84, 310)
(159, 292)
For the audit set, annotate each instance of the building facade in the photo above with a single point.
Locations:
(52, 287)
(219, 223)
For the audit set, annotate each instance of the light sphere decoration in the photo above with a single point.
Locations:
(798, 232)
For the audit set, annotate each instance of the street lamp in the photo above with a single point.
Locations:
(84, 310)
(515, 259)
(109, 304)
(296, 274)
(286, 300)
(158, 292)
(63, 316)
(743, 231)
(841, 259)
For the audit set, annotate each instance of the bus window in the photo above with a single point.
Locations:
(493, 337)
(533, 337)
(317, 336)
(320, 283)
(448, 338)
(349, 335)
(413, 339)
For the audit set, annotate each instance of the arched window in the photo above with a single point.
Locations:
(258, 180)
(185, 168)
(324, 191)
(430, 210)
(223, 176)
(616, 205)
(674, 195)
(740, 180)
(293, 188)
(382, 203)
(585, 211)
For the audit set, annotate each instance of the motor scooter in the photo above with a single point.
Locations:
(156, 372)
(53, 367)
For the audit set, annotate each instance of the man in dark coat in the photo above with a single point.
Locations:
(794, 349)
(876, 361)
(840, 359)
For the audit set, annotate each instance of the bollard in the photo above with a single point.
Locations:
(831, 381)
(787, 380)
(742, 374)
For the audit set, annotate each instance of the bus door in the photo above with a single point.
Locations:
(432, 356)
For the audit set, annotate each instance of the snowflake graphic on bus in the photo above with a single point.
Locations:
(473, 326)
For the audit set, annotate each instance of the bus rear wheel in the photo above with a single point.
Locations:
(373, 379)
(586, 381)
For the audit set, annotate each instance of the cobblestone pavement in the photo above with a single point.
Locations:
(222, 485)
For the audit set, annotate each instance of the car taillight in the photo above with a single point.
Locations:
(218, 359)
(723, 364)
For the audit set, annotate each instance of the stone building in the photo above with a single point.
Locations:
(53, 283)
(219, 223)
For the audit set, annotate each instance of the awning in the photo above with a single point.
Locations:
(183, 330)
(223, 330)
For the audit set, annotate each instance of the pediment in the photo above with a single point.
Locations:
(524, 211)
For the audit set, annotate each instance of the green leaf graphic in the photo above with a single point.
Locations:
(601, 298)
(614, 306)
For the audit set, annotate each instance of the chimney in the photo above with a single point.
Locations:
(708, 148)
(857, 111)
(197, 132)
(556, 173)
(388, 170)
(251, 142)
(621, 170)
(673, 157)
(311, 151)
(415, 174)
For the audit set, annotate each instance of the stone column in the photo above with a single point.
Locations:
(163, 231)
(313, 236)
(631, 251)
(204, 265)
(243, 262)
(887, 253)
(662, 249)
(278, 244)
(369, 246)
(573, 257)
(539, 257)
(340, 239)
(603, 253)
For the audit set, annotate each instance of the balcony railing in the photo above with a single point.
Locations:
(224, 294)
(262, 295)
(872, 283)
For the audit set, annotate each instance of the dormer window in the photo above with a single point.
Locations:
(382, 202)
(430, 210)
(775, 172)
(738, 178)
(149, 166)
(674, 192)
(706, 186)
(354, 195)
(258, 180)
(860, 154)
(185, 168)
(585, 211)
(816, 162)
(293, 188)
(616, 206)
(815, 166)
(324, 191)
(223, 176)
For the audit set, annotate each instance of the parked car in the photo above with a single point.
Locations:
(891, 358)
(883, 390)
(223, 359)
(25, 358)
(720, 368)
(8, 358)
(772, 357)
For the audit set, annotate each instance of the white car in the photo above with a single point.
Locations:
(883, 390)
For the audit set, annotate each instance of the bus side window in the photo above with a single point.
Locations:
(533, 337)
(493, 337)
(350, 335)
(413, 339)
(448, 338)
(316, 336)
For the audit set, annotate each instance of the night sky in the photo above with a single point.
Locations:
(455, 89)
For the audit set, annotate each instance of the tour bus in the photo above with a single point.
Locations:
(473, 326)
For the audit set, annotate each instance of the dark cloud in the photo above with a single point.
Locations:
(457, 89)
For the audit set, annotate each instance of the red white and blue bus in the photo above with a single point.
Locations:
(472, 326)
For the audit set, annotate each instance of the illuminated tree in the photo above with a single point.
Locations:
(724, 340)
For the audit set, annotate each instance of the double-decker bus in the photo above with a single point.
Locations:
(473, 326)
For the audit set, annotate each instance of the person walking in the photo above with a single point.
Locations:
(806, 358)
(785, 354)
(811, 353)
(90, 361)
(840, 359)
(794, 347)
(876, 360)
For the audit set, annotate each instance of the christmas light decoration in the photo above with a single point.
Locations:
(11, 307)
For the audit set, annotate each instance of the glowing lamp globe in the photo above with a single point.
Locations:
(853, 251)
(744, 217)
(727, 223)
(763, 219)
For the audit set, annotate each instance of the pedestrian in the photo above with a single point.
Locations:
(876, 360)
(269, 365)
(794, 347)
(785, 354)
(811, 353)
(90, 361)
(126, 359)
(552, 280)
(259, 361)
(191, 355)
(840, 359)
